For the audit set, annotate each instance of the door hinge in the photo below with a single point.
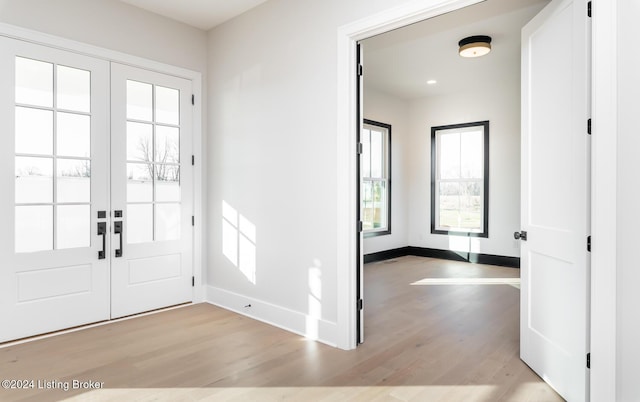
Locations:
(359, 226)
(360, 304)
(360, 148)
(193, 160)
(360, 70)
(589, 9)
(193, 99)
(193, 220)
(589, 243)
(193, 281)
(589, 126)
(588, 360)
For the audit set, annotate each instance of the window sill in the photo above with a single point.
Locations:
(377, 233)
(459, 233)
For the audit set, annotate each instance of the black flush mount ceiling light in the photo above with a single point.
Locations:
(475, 46)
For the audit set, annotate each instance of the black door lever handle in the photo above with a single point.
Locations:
(102, 231)
(117, 229)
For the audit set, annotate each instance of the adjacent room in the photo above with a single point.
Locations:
(415, 80)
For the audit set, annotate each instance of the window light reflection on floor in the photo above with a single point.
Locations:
(469, 281)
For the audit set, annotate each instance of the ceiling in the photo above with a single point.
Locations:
(203, 14)
(399, 63)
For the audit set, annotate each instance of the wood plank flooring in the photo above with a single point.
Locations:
(425, 341)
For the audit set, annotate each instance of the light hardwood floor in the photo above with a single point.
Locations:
(425, 341)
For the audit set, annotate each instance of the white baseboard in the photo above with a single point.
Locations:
(278, 316)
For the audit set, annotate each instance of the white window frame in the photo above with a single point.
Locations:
(385, 129)
(436, 179)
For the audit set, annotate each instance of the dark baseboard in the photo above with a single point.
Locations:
(503, 261)
(386, 254)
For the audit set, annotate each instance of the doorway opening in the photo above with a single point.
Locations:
(415, 80)
(545, 29)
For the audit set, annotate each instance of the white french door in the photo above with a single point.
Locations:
(53, 175)
(151, 190)
(554, 325)
(97, 202)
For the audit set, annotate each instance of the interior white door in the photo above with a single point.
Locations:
(151, 190)
(53, 175)
(555, 197)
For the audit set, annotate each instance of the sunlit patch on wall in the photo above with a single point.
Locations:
(239, 241)
(314, 299)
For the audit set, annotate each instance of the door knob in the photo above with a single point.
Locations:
(520, 235)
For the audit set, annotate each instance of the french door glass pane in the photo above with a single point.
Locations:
(156, 181)
(139, 141)
(34, 82)
(139, 101)
(167, 222)
(74, 89)
(73, 180)
(34, 131)
(167, 105)
(167, 144)
(73, 135)
(139, 223)
(167, 183)
(74, 224)
(65, 168)
(34, 180)
(139, 182)
(34, 228)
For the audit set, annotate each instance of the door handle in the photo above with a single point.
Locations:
(520, 235)
(102, 231)
(117, 229)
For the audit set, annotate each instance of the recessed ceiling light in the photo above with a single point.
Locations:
(431, 82)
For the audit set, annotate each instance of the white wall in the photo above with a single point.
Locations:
(272, 158)
(628, 215)
(387, 109)
(500, 105)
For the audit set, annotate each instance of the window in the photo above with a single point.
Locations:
(460, 179)
(52, 156)
(153, 162)
(376, 174)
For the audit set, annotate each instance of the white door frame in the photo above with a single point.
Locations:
(603, 279)
(28, 35)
